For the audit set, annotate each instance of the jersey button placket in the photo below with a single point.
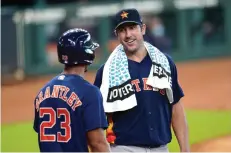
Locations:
(150, 121)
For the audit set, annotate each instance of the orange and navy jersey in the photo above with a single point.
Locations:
(149, 123)
(65, 109)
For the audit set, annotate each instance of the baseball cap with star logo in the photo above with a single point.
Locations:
(127, 16)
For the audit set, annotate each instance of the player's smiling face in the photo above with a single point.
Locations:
(130, 36)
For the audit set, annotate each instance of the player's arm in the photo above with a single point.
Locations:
(179, 122)
(95, 121)
(36, 121)
(180, 127)
(97, 140)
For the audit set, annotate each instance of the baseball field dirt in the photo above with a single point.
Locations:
(207, 86)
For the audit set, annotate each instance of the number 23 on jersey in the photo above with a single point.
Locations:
(53, 115)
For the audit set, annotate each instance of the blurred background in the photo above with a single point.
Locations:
(196, 33)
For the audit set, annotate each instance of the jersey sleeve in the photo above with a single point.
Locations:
(99, 76)
(94, 115)
(177, 90)
(36, 119)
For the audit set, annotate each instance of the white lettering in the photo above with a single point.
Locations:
(156, 69)
(170, 81)
(160, 71)
(115, 93)
(129, 87)
(124, 91)
(120, 92)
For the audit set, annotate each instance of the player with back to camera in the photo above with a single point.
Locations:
(69, 114)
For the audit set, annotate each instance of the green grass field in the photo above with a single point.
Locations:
(203, 125)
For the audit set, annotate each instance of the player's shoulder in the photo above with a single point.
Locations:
(99, 72)
(71, 80)
(92, 88)
(172, 64)
(170, 59)
(92, 93)
(48, 83)
(100, 69)
(84, 85)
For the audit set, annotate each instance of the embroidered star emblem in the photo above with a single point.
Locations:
(124, 15)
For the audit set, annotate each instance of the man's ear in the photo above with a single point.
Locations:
(143, 29)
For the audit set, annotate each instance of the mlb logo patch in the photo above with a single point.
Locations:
(61, 77)
(64, 57)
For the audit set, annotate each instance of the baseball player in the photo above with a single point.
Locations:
(147, 126)
(69, 114)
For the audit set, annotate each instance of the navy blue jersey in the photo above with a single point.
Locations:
(149, 123)
(65, 109)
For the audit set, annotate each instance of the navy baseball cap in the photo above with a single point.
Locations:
(127, 16)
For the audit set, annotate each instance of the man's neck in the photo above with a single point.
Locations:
(76, 71)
